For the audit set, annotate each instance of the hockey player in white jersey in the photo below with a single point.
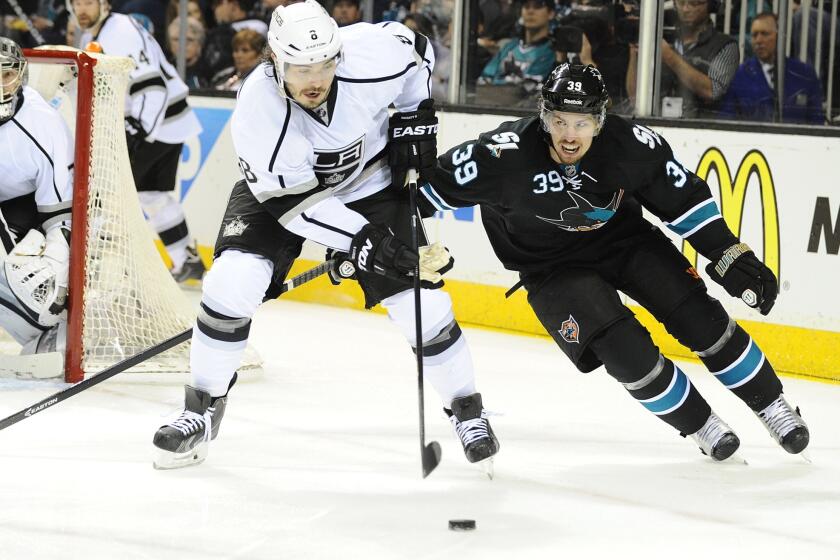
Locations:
(36, 187)
(158, 121)
(311, 130)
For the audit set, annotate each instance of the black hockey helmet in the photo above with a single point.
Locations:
(575, 88)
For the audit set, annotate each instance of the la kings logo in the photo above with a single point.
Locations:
(333, 167)
(234, 227)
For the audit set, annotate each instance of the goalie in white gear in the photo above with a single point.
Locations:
(36, 187)
(158, 121)
(311, 130)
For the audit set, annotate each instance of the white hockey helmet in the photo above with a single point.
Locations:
(104, 10)
(302, 33)
(13, 76)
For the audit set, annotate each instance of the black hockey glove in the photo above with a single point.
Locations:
(135, 135)
(743, 276)
(344, 268)
(413, 142)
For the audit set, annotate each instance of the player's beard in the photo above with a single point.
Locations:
(303, 98)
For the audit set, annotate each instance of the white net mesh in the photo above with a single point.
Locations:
(131, 301)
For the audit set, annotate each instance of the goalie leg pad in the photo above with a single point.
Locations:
(36, 273)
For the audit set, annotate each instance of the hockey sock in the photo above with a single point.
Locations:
(231, 294)
(668, 393)
(218, 342)
(630, 356)
(447, 363)
(737, 362)
(166, 217)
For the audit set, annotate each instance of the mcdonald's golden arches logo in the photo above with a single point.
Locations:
(732, 195)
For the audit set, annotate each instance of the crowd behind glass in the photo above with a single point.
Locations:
(713, 65)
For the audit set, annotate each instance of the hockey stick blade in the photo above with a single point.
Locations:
(142, 356)
(431, 458)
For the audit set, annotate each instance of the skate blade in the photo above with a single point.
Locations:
(737, 459)
(487, 467)
(806, 457)
(166, 460)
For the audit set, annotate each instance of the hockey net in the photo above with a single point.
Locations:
(122, 298)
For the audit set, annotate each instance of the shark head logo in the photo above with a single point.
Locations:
(584, 216)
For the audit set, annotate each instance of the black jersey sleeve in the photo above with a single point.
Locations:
(471, 173)
(678, 197)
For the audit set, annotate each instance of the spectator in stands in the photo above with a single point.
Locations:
(529, 58)
(231, 17)
(247, 46)
(440, 75)
(814, 18)
(193, 11)
(599, 47)
(752, 95)
(196, 77)
(499, 17)
(346, 12)
(697, 69)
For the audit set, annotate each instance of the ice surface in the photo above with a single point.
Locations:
(318, 458)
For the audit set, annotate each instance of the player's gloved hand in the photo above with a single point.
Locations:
(435, 261)
(375, 250)
(36, 272)
(412, 137)
(344, 268)
(743, 276)
(135, 134)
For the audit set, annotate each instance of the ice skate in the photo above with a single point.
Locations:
(785, 425)
(473, 429)
(716, 439)
(192, 269)
(185, 440)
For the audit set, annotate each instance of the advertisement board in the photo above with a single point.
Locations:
(778, 192)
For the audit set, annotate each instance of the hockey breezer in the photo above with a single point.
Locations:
(141, 357)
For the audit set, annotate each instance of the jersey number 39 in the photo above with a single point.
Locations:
(466, 170)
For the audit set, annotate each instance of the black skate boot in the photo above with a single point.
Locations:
(185, 441)
(716, 439)
(785, 425)
(473, 429)
(192, 269)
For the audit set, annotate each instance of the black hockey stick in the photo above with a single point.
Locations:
(146, 354)
(429, 454)
(28, 22)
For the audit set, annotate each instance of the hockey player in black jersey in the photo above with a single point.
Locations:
(561, 197)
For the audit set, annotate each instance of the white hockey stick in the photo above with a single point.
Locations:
(25, 18)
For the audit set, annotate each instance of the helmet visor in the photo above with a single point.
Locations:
(564, 124)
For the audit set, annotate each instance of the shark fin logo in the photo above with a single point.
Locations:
(585, 216)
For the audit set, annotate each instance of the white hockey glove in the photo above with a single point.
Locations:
(37, 272)
(435, 261)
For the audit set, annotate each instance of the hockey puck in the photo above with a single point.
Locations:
(461, 524)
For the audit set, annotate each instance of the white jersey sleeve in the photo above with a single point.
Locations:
(121, 35)
(277, 161)
(40, 160)
(416, 49)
